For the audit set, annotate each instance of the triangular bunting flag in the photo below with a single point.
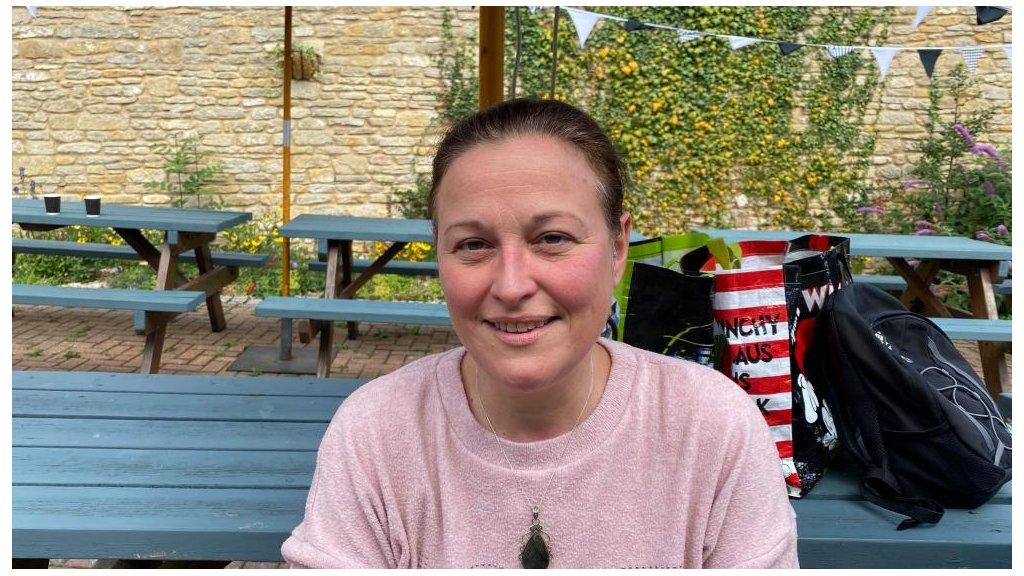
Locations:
(1009, 54)
(839, 51)
(687, 35)
(635, 25)
(584, 22)
(988, 14)
(928, 57)
(787, 48)
(922, 11)
(883, 56)
(32, 10)
(737, 42)
(971, 56)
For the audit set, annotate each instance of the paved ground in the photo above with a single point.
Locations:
(46, 338)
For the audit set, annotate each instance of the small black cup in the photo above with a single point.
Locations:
(92, 206)
(52, 202)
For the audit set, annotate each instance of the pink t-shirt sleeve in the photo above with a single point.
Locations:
(752, 524)
(343, 526)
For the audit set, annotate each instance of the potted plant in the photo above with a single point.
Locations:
(306, 61)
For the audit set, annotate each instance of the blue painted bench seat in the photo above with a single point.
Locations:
(113, 298)
(109, 251)
(355, 310)
(895, 283)
(403, 267)
(195, 467)
(975, 329)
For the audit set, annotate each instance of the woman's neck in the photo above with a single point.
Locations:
(541, 414)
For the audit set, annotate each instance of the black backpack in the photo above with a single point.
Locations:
(907, 406)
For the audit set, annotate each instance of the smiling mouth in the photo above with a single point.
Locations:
(520, 327)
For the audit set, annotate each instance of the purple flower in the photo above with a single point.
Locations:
(21, 173)
(965, 135)
(870, 210)
(913, 262)
(982, 235)
(32, 186)
(938, 211)
(1002, 230)
(990, 188)
(925, 232)
(912, 183)
(989, 150)
(923, 224)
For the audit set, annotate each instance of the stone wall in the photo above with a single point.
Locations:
(900, 110)
(96, 89)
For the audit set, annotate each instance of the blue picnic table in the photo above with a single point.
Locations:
(184, 230)
(983, 263)
(200, 467)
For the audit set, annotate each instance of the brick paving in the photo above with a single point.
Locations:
(47, 338)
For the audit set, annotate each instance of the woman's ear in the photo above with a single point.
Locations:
(620, 245)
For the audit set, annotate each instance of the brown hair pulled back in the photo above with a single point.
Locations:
(523, 116)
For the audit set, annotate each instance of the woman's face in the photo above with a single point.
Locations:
(525, 258)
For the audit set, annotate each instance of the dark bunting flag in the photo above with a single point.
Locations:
(634, 25)
(788, 48)
(987, 14)
(928, 57)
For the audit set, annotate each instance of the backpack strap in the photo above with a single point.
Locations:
(880, 491)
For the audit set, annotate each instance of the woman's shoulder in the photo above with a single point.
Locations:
(405, 388)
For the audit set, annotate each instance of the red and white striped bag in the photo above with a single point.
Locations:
(750, 312)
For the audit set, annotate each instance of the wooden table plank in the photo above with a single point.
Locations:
(883, 245)
(157, 468)
(184, 384)
(336, 227)
(127, 405)
(171, 523)
(27, 211)
(167, 434)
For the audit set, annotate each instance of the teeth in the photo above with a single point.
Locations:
(519, 327)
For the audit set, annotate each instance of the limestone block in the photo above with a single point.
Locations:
(28, 76)
(39, 147)
(253, 139)
(160, 86)
(33, 48)
(62, 105)
(142, 175)
(311, 138)
(320, 175)
(415, 118)
(240, 166)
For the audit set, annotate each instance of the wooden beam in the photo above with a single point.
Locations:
(492, 55)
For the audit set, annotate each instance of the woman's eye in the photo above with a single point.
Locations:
(471, 245)
(553, 239)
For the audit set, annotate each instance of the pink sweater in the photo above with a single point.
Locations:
(674, 468)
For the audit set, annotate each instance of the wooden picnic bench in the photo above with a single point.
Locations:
(984, 264)
(157, 308)
(214, 468)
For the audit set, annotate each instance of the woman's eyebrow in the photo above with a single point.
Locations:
(544, 217)
(471, 224)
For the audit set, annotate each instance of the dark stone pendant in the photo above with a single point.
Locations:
(535, 553)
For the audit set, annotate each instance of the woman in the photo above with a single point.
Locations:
(538, 443)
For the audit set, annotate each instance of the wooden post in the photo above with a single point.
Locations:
(286, 151)
(492, 55)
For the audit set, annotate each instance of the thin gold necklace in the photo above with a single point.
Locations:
(536, 550)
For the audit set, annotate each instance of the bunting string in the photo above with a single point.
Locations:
(585, 21)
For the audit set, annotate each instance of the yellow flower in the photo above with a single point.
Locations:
(603, 52)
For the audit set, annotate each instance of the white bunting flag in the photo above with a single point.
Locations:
(1009, 54)
(922, 11)
(584, 22)
(687, 35)
(33, 11)
(737, 42)
(884, 57)
(839, 51)
(533, 9)
(971, 56)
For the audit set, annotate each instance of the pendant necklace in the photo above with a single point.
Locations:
(536, 551)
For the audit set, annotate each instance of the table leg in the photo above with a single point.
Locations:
(213, 303)
(918, 285)
(155, 339)
(331, 289)
(983, 305)
(346, 280)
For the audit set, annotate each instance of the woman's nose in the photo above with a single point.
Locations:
(513, 279)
